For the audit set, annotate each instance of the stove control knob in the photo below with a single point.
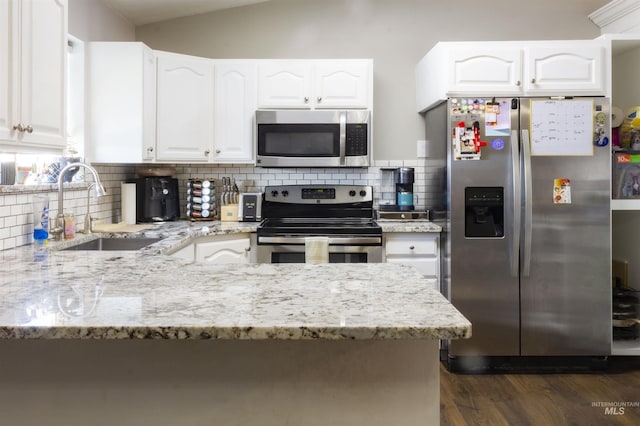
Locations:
(274, 193)
(363, 193)
(285, 193)
(352, 193)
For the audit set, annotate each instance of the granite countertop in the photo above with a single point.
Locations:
(410, 225)
(148, 294)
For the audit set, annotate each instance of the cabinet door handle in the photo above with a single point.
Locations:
(150, 149)
(533, 81)
(412, 247)
(218, 151)
(319, 99)
(306, 99)
(18, 127)
(518, 83)
(207, 151)
(28, 129)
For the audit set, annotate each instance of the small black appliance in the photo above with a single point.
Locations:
(157, 199)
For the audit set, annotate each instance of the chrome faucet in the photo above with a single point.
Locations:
(58, 230)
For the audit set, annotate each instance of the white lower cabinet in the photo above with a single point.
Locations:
(420, 250)
(219, 249)
(186, 253)
(222, 249)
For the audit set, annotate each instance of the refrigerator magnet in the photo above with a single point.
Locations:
(562, 191)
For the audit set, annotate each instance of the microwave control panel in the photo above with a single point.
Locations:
(356, 139)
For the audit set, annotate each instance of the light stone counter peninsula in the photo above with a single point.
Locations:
(140, 337)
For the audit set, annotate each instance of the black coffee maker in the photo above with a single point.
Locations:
(405, 178)
(156, 199)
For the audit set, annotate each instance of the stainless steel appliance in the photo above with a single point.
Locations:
(250, 207)
(325, 138)
(344, 213)
(527, 253)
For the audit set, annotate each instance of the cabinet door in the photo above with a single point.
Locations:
(5, 67)
(419, 250)
(186, 253)
(122, 86)
(342, 84)
(565, 69)
(235, 102)
(42, 59)
(184, 108)
(224, 251)
(485, 69)
(284, 84)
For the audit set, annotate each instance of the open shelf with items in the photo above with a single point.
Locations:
(625, 212)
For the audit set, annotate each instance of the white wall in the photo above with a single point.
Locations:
(625, 78)
(93, 20)
(396, 34)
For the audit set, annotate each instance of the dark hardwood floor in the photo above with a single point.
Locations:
(542, 399)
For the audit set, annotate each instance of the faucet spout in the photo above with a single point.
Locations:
(98, 188)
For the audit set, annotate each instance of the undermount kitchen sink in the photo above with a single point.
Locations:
(114, 244)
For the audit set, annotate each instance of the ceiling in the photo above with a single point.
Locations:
(141, 12)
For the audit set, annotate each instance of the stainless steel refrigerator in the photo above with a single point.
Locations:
(527, 253)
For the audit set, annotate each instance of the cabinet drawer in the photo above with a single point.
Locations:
(411, 244)
(426, 266)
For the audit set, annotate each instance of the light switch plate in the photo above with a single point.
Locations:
(422, 148)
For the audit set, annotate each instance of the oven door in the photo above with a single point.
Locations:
(277, 250)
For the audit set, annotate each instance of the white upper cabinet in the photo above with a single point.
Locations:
(343, 83)
(330, 83)
(532, 68)
(33, 50)
(184, 108)
(285, 84)
(154, 106)
(496, 71)
(235, 102)
(5, 71)
(565, 69)
(122, 88)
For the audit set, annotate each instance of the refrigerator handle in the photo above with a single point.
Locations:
(515, 170)
(528, 202)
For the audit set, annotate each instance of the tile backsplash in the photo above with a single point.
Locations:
(16, 223)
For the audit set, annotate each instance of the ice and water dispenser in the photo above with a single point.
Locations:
(484, 212)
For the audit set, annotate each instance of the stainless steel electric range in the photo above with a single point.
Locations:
(343, 213)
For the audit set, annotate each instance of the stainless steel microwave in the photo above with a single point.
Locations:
(303, 138)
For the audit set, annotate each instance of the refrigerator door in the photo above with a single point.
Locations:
(484, 216)
(566, 254)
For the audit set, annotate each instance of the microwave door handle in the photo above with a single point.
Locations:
(343, 137)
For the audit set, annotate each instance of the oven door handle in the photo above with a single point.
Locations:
(332, 240)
